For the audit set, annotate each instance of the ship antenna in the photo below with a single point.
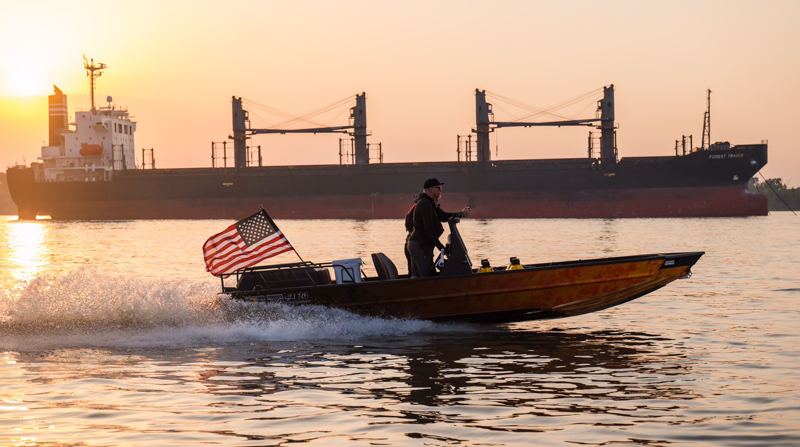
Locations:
(91, 68)
(707, 123)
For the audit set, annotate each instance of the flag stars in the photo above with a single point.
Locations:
(254, 229)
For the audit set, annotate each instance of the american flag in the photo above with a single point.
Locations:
(244, 244)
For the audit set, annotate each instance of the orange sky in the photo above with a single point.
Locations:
(175, 66)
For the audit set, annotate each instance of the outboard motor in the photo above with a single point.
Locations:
(457, 262)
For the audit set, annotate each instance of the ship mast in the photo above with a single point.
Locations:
(91, 68)
(707, 124)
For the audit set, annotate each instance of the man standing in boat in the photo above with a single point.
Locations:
(427, 218)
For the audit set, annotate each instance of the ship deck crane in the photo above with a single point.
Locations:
(484, 125)
(241, 131)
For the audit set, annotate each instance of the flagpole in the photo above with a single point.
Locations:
(293, 249)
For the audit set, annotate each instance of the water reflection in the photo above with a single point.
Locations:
(607, 237)
(511, 375)
(482, 242)
(24, 253)
(176, 372)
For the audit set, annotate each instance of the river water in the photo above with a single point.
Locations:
(112, 334)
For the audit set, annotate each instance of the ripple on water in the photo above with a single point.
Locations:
(159, 358)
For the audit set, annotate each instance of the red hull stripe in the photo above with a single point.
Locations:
(723, 201)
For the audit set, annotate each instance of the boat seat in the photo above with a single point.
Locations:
(384, 266)
(283, 278)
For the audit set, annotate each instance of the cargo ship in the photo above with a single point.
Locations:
(89, 172)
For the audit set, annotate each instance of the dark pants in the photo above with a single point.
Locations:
(421, 259)
(408, 255)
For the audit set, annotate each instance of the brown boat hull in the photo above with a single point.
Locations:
(535, 292)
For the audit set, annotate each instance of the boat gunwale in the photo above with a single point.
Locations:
(529, 268)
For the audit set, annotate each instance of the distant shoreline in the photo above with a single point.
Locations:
(789, 195)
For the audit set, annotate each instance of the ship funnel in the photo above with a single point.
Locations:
(59, 119)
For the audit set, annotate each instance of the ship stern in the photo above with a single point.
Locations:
(22, 187)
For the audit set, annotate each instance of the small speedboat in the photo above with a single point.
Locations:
(459, 292)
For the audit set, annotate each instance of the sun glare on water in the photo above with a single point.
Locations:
(25, 243)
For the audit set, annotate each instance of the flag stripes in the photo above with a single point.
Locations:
(227, 252)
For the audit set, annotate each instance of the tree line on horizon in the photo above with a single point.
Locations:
(775, 190)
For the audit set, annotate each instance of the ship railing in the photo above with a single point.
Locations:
(254, 156)
(467, 145)
(221, 147)
(347, 152)
(375, 151)
(148, 158)
(594, 145)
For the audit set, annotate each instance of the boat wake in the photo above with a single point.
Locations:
(97, 309)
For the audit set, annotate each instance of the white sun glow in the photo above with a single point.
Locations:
(20, 81)
(27, 54)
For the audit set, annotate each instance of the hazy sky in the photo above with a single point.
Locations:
(176, 64)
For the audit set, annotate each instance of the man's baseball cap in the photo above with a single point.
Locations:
(431, 182)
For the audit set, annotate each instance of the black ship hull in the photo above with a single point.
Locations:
(709, 183)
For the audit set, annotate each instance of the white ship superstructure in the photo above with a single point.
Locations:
(101, 142)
